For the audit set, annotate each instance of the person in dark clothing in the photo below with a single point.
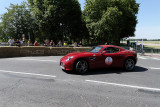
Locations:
(17, 43)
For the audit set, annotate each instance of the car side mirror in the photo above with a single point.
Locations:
(104, 52)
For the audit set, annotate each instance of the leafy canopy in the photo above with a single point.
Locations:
(16, 21)
(110, 20)
(58, 19)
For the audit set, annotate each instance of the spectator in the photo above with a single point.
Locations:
(59, 44)
(21, 42)
(35, 43)
(65, 44)
(128, 43)
(46, 42)
(29, 41)
(11, 41)
(80, 44)
(75, 44)
(52, 43)
(17, 43)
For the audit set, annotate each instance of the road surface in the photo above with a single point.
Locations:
(40, 82)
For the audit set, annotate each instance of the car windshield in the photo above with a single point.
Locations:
(125, 49)
(95, 49)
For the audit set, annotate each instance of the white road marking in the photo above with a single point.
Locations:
(154, 68)
(38, 60)
(142, 57)
(156, 58)
(24, 73)
(124, 85)
(147, 57)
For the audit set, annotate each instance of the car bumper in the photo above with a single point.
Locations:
(66, 66)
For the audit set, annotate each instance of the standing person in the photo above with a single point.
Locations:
(75, 44)
(21, 42)
(52, 43)
(11, 41)
(59, 44)
(128, 43)
(46, 42)
(35, 43)
(80, 44)
(29, 41)
(65, 44)
(17, 43)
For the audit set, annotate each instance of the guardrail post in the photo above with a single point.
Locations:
(152, 51)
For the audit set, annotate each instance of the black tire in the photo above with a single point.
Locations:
(81, 66)
(129, 64)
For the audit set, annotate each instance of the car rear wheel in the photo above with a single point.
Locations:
(81, 66)
(129, 64)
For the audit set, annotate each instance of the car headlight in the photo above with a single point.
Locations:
(69, 58)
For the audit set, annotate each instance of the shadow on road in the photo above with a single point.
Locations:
(115, 70)
(110, 71)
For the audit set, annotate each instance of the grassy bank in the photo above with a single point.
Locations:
(150, 46)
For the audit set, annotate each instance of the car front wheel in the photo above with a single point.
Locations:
(81, 66)
(129, 64)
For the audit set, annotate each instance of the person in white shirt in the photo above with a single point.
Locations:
(11, 41)
(21, 42)
(59, 44)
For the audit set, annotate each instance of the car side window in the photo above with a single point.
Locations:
(111, 50)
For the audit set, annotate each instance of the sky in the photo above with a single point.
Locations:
(148, 26)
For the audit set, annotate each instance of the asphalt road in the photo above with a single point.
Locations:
(40, 82)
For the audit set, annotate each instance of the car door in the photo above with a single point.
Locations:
(112, 57)
(96, 60)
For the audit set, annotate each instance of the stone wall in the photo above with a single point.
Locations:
(14, 51)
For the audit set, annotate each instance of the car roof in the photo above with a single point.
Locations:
(105, 46)
(109, 46)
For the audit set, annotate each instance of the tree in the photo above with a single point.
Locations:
(2, 37)
(18, 20)
(110, 20)
(58, 19)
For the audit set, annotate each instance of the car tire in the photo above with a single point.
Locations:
(129, 64)
(81, 66)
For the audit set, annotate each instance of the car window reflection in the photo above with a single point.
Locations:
(96, 49)
(111, 50)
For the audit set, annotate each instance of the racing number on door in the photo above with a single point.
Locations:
(108, 60)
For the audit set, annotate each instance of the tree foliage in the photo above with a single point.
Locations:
(102, 20)
(110, 20)
(16, 21)
(58, 19)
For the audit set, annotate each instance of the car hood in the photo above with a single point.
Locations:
(78, 53)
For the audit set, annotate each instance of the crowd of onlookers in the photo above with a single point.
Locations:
(20, 42)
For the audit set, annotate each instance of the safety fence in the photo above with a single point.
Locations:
(140, 49)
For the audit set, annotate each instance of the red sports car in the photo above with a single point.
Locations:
(102, 56)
